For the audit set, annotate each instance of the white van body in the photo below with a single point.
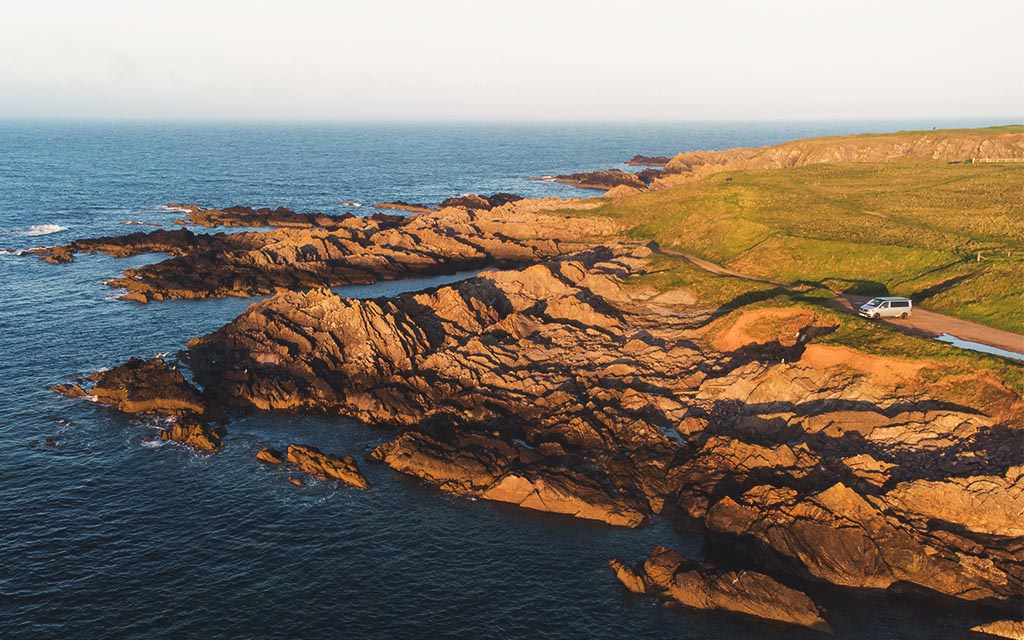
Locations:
(888, 307)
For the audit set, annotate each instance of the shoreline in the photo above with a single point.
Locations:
(465, 371)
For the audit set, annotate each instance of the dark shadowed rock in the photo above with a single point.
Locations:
(147, 386)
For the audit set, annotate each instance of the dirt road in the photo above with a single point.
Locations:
(933, 325)
(923, 323)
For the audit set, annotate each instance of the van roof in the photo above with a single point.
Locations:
(891, 298)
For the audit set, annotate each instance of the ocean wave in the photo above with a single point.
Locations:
(164, 207)
(43, 230)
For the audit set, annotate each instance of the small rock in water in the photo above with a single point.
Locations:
(270, 456)
(69, 390)
(191, 431)
(326, 466)
(297, 482)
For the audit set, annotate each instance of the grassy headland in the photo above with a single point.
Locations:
(905, 228)
(914, 227)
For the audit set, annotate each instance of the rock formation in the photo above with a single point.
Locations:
(609, 178)
(1013, 629)
(239, 216)
(69, 390)
(270, 456)
(147, 386)
(191, 431)
(554, 388)
(476, 201)
(648, 161)
(360, 251)
(700, 586)
(326, 466)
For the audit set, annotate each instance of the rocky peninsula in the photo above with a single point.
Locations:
(565, 381)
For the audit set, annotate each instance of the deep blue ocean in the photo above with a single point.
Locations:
(113, 534)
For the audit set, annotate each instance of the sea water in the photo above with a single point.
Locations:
(112, 533)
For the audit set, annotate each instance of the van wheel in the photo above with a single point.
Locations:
(874, 316)
(903, 316)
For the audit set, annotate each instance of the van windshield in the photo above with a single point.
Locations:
(873, 302)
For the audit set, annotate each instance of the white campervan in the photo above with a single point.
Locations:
(890, 307)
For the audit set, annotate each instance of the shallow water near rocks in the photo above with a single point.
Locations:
(113, 533)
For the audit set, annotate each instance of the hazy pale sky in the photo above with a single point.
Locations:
(520, 60)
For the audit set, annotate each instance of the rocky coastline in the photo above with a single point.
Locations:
(553, 384)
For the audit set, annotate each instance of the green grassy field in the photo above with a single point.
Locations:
(913, 229)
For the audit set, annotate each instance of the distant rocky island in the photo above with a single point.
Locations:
(591, 373)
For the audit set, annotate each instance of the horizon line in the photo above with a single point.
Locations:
(1000, 121)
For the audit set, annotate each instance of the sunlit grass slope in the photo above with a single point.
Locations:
(911, 228)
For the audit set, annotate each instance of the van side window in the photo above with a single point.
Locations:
(901, 303)
(884, 305)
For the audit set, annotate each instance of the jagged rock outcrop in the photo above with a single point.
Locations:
(270, 456)
(240, 216)
(552, 388)
(176, 242)
(358, 251)
(633, 580)
(147, 386)
(325, 465)
(648, 161)
(497, 470)
(609, 178)
(476, 201)
(192, 431)
(701, 586)
(68, 389)
(524, 386)
(845, 538)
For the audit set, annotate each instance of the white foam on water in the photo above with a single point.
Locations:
(43, 230)
(164, 207)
